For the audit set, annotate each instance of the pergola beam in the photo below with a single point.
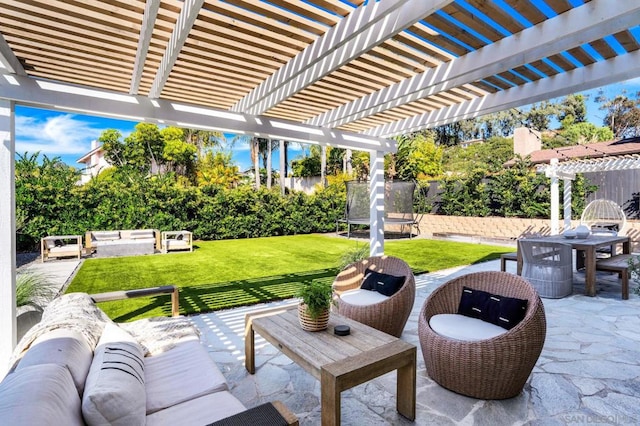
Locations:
(146, 32)
(8, 59)
(366, 27)
(619, 68)
(578, 26)
(186, 19)
(64, 97)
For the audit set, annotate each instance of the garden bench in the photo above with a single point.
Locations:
(619, 264)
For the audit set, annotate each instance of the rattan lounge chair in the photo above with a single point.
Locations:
(390, 315)
(495, 368)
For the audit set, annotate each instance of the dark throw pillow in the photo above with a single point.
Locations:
(384, 284)
(502, 311)
(179, 237)
(473, 303)
(506, 312)
(58, 243)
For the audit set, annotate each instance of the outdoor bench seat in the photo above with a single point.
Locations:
(62, 371)
(61, 246)
(128, 242)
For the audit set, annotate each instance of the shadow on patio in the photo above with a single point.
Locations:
(588, 373)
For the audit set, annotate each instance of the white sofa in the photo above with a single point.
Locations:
(79, 367)
(127, 242)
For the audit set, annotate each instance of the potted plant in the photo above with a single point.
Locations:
(313, 310)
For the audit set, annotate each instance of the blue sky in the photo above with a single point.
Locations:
(69, 136)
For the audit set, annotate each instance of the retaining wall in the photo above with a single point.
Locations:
(500, 228)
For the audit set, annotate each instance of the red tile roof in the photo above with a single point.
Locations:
(594, 150)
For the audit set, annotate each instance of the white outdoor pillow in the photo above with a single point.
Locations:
(114, 392)
(40, 395)
(63, 347)
(106, 235)
(141, 234)
(461, 327)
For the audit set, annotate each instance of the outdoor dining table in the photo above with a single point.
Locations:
(586, 253)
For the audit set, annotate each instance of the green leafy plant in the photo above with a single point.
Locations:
(317, 296)
(33, 289)
(353, 255)
(634, 272)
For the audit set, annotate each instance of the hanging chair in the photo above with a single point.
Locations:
(602, 216)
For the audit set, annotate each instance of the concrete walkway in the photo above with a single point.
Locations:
(588, 373)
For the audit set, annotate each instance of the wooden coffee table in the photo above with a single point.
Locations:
(338, 362)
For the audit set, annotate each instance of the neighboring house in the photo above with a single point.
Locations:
(613, 166)
(94, 162)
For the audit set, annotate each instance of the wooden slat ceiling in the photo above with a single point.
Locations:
(235, 45)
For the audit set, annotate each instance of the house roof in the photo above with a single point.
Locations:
(598, 150)
(349, 73)
(86, 158)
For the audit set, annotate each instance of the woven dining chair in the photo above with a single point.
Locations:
(389, 316)
(547, 266)
(495, 368)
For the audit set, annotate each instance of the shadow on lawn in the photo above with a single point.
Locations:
(224, 295)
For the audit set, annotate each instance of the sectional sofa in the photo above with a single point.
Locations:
(78, 367)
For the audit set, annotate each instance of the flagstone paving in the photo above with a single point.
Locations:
(588, 373)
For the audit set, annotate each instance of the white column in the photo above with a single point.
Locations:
(348, 154)
(376, 205)
(282, 168)
(555, 197)
(567, 203)
(8, 331)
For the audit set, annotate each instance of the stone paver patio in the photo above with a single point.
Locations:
(588, 373)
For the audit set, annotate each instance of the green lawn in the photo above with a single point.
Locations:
(230, 273)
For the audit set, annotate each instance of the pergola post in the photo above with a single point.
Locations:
(567, 203)
(376, 205)
(323, 166)
(555, 196)
(269, 152)
(8, 329)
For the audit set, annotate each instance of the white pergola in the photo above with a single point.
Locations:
(567, 172)
(337, 73)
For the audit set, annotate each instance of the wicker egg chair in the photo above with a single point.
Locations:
(495, 368)
(390, 315)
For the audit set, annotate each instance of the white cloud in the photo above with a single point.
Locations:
(55, 135)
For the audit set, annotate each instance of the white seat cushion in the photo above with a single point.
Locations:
(461, 327)
(359, 297)
(40, 395)
(200, 411)
(182, 373)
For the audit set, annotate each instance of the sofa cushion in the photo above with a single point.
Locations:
(384, 284)
(63, 347)
(182, 373)
(199, 411)
(359, 297)
(115, 388)
(461, 327)
(106, 235)
(40, 395)
(142, 233)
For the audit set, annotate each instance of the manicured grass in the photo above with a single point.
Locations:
(230, 273)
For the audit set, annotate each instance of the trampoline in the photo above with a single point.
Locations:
(398, 205)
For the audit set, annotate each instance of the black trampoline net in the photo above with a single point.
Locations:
(398, 201)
